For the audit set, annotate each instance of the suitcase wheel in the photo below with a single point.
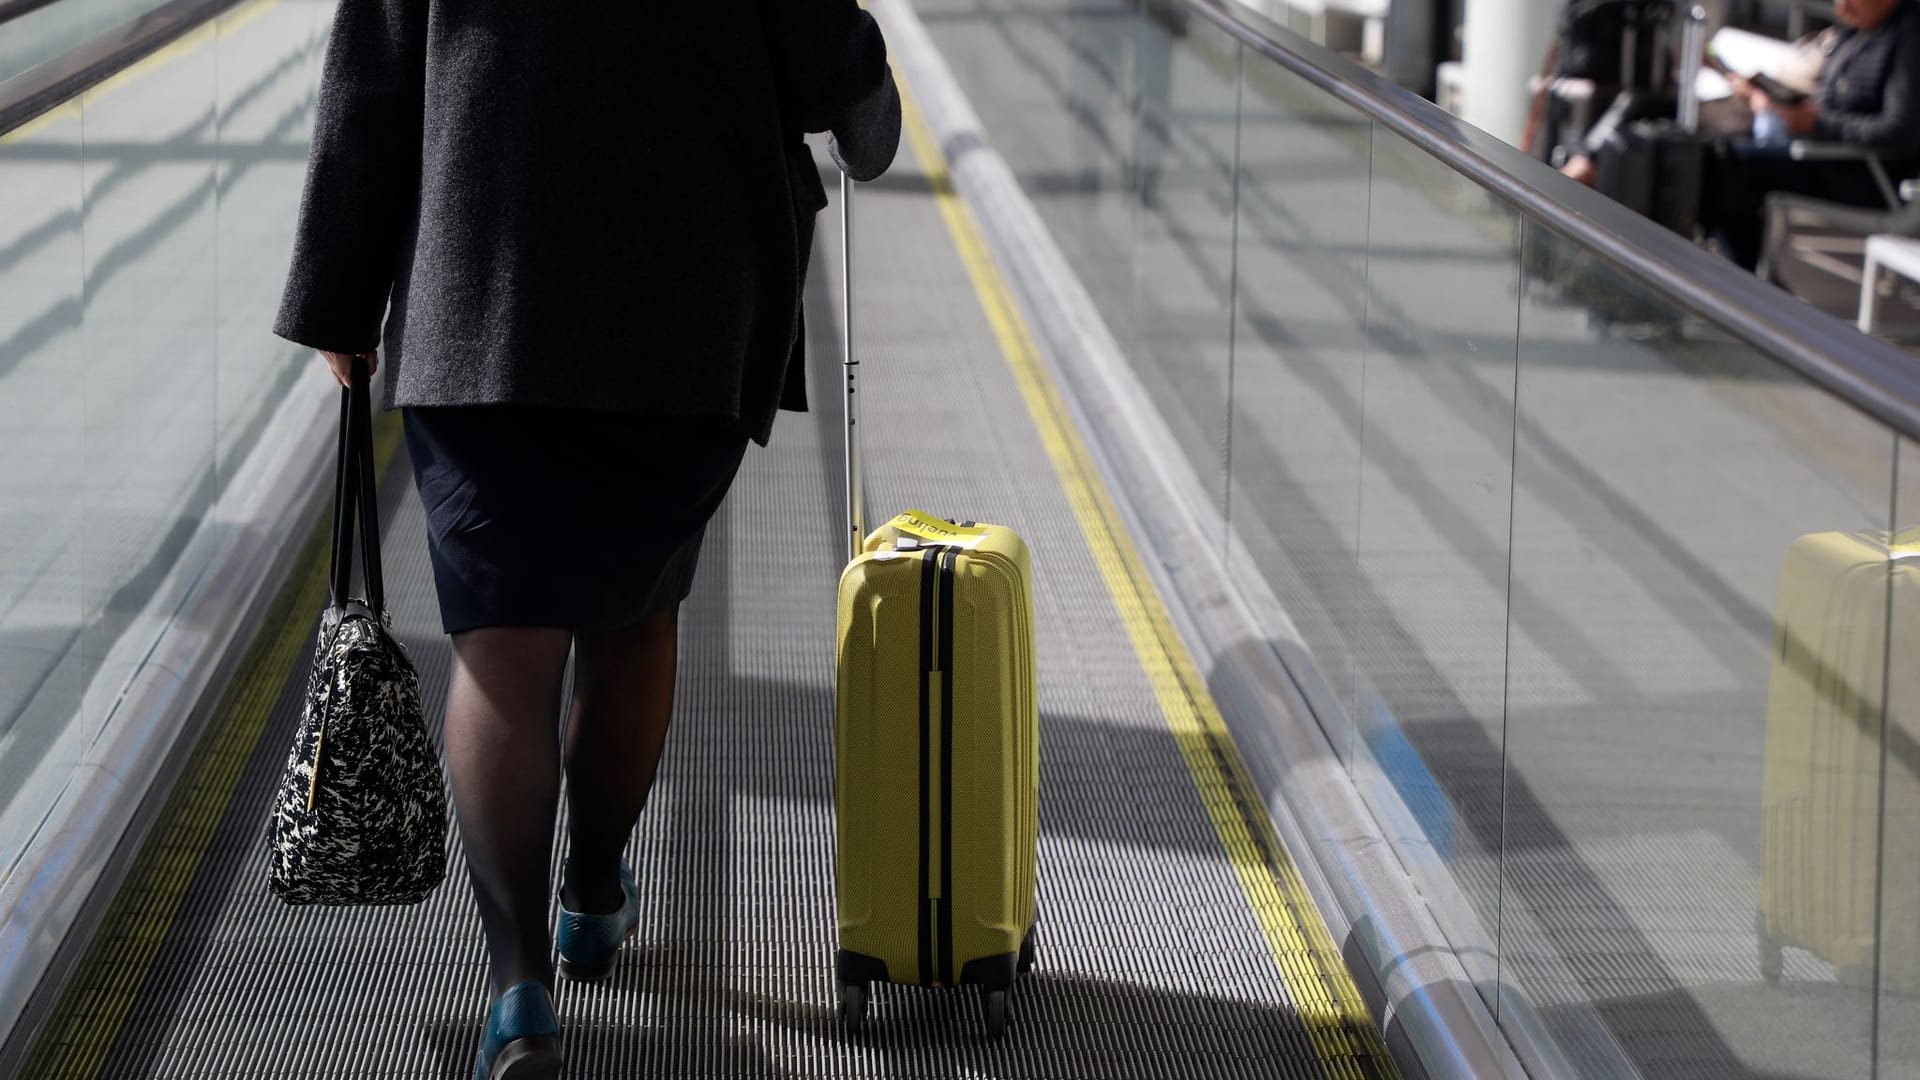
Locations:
(997, 1012)
(853, 1007)
(1027, 947)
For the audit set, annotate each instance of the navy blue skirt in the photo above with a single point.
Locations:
(565, 518)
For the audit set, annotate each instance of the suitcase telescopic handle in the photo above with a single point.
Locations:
(856, 527)
(1693, 47)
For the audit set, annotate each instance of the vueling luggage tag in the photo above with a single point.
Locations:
(916, 529)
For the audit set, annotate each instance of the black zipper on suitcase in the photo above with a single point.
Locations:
(936, 655)
(928, 629)
(947, 563)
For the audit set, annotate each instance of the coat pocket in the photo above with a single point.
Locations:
(803, 177)
(809, 198)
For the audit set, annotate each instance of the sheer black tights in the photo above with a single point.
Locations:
(505, 755)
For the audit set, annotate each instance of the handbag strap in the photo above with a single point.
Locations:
(356, 496)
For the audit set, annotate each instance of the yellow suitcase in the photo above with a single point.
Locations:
(1821, 841)
(937, 765)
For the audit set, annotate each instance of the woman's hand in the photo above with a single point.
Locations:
(342, 364)
(1581, 167)
(1800, 117)
(864, 143)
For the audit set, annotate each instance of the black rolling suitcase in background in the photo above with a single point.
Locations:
(1655, 160)
(1657, 169)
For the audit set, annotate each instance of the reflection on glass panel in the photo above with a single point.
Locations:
(148, 155)
(1699, 599)
(1051, 80)
(1299, 345)
(1186, 73)
(1899, 1027)
(143, 241)
(54, 30)
(40, 444)
(269, 63)
(1436, 467)
(1095, 221)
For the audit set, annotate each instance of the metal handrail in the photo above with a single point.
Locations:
(13, 9)
(1872, 376)
(44, 87)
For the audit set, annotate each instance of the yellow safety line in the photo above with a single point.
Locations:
(25, 131)
(222, 26)
(91, 1012)
(1336, 1018)
(232, 20)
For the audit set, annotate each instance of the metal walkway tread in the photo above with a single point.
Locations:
(1154, 962)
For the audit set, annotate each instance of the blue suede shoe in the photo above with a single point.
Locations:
(589, 943)
(522, 1041)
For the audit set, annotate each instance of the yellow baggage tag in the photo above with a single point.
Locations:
(932, 530)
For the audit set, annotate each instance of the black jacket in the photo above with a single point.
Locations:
(603, 206)
(1869, 91)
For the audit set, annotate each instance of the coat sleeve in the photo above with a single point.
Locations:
(1896, 127)
(363, 177)
(828, 57)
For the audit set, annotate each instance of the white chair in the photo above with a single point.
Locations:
(1355, 27)
(1901, 255)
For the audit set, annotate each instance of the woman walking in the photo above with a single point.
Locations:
(579, 232)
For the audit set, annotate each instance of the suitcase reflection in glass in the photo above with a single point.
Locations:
(1822, 847)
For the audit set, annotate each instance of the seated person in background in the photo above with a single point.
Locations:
(1794, 70)
(1798, 66)
(1868, 95)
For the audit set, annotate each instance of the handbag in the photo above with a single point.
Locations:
(361, 816)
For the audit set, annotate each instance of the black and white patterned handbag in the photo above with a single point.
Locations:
(362, 813)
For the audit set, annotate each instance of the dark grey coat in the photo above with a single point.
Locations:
(603, 206)
(1870, 85)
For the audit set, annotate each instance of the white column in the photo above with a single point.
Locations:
(1505, 40)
